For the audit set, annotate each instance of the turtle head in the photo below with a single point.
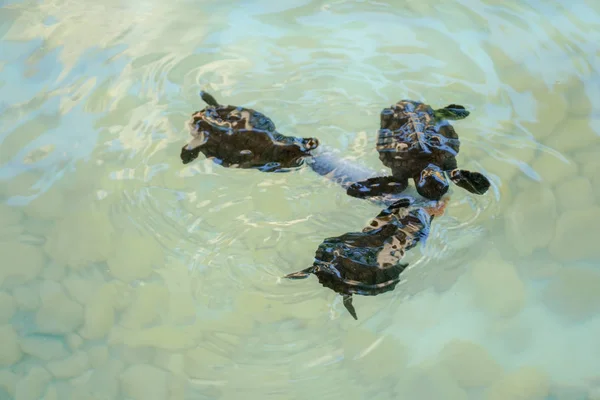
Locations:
(190, 151)
(431, 182)
(451, 112)
(310, 143)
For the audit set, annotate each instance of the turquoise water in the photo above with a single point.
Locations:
(127, 275)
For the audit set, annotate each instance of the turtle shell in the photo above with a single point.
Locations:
(368, 262)
(243, 138)
(410, 138)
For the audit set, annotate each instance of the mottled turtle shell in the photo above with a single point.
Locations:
(243, 138)
(410, 139)
(368, 262)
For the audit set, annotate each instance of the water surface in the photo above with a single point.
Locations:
(127, 275)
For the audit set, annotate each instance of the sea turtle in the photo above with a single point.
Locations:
(418, 142)
(243, 138)
(368, 262)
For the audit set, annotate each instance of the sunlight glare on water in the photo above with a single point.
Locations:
(128, 275)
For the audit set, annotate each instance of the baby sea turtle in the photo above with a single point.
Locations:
(243, 138)
(368, 262)
(418, 142)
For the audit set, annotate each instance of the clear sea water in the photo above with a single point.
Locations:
(128, 275)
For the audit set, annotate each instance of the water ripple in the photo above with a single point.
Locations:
(93, 103)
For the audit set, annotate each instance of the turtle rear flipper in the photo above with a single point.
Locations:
(377, 186)
(349, 306)
(208, 99)
(452, 112)
(473, 182)
(305, 273)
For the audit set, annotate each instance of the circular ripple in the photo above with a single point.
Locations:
(317, 69)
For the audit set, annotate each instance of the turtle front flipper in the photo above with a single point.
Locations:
(473, 182)
(189, 154)
(305, 273)
(349, 306)
(208, 99)
(451, 112)
(377, 186)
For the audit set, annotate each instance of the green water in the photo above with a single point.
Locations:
(127, 275)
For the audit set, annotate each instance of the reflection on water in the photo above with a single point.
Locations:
(127, 275)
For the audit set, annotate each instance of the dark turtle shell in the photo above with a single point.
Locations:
(411, 138)
(368, 263)
(243, 138)
(418, 143)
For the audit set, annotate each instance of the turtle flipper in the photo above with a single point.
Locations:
(377, 186)
(473, 182)
(208, 99)
(189, 154)
(305, 273)
(451, 112)
(349, 306)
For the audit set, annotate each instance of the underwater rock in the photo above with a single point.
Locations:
(144, 382)
(469, 363)
(526, 383)
(21, 263)
(374, 356)
(98, 355)
(148, 306)
(201, 363)
(33, 385)
(553, 170)
(104, 382)
(574, 293)
(74, 341)
(52, 393)
(10, 351)
(10, 215)
(167, 337)
(428, 383)
(498, 290)
(81, 238)
(8, 382)
(43, 347)
(27, 297)
(49, 205)
(573, 134)
(530, 222)
(58, 313)
(551, 111)
(135, 257)
(99, 315)
(7, 307)
(574, 238)
(70, 367)
(575, 193)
